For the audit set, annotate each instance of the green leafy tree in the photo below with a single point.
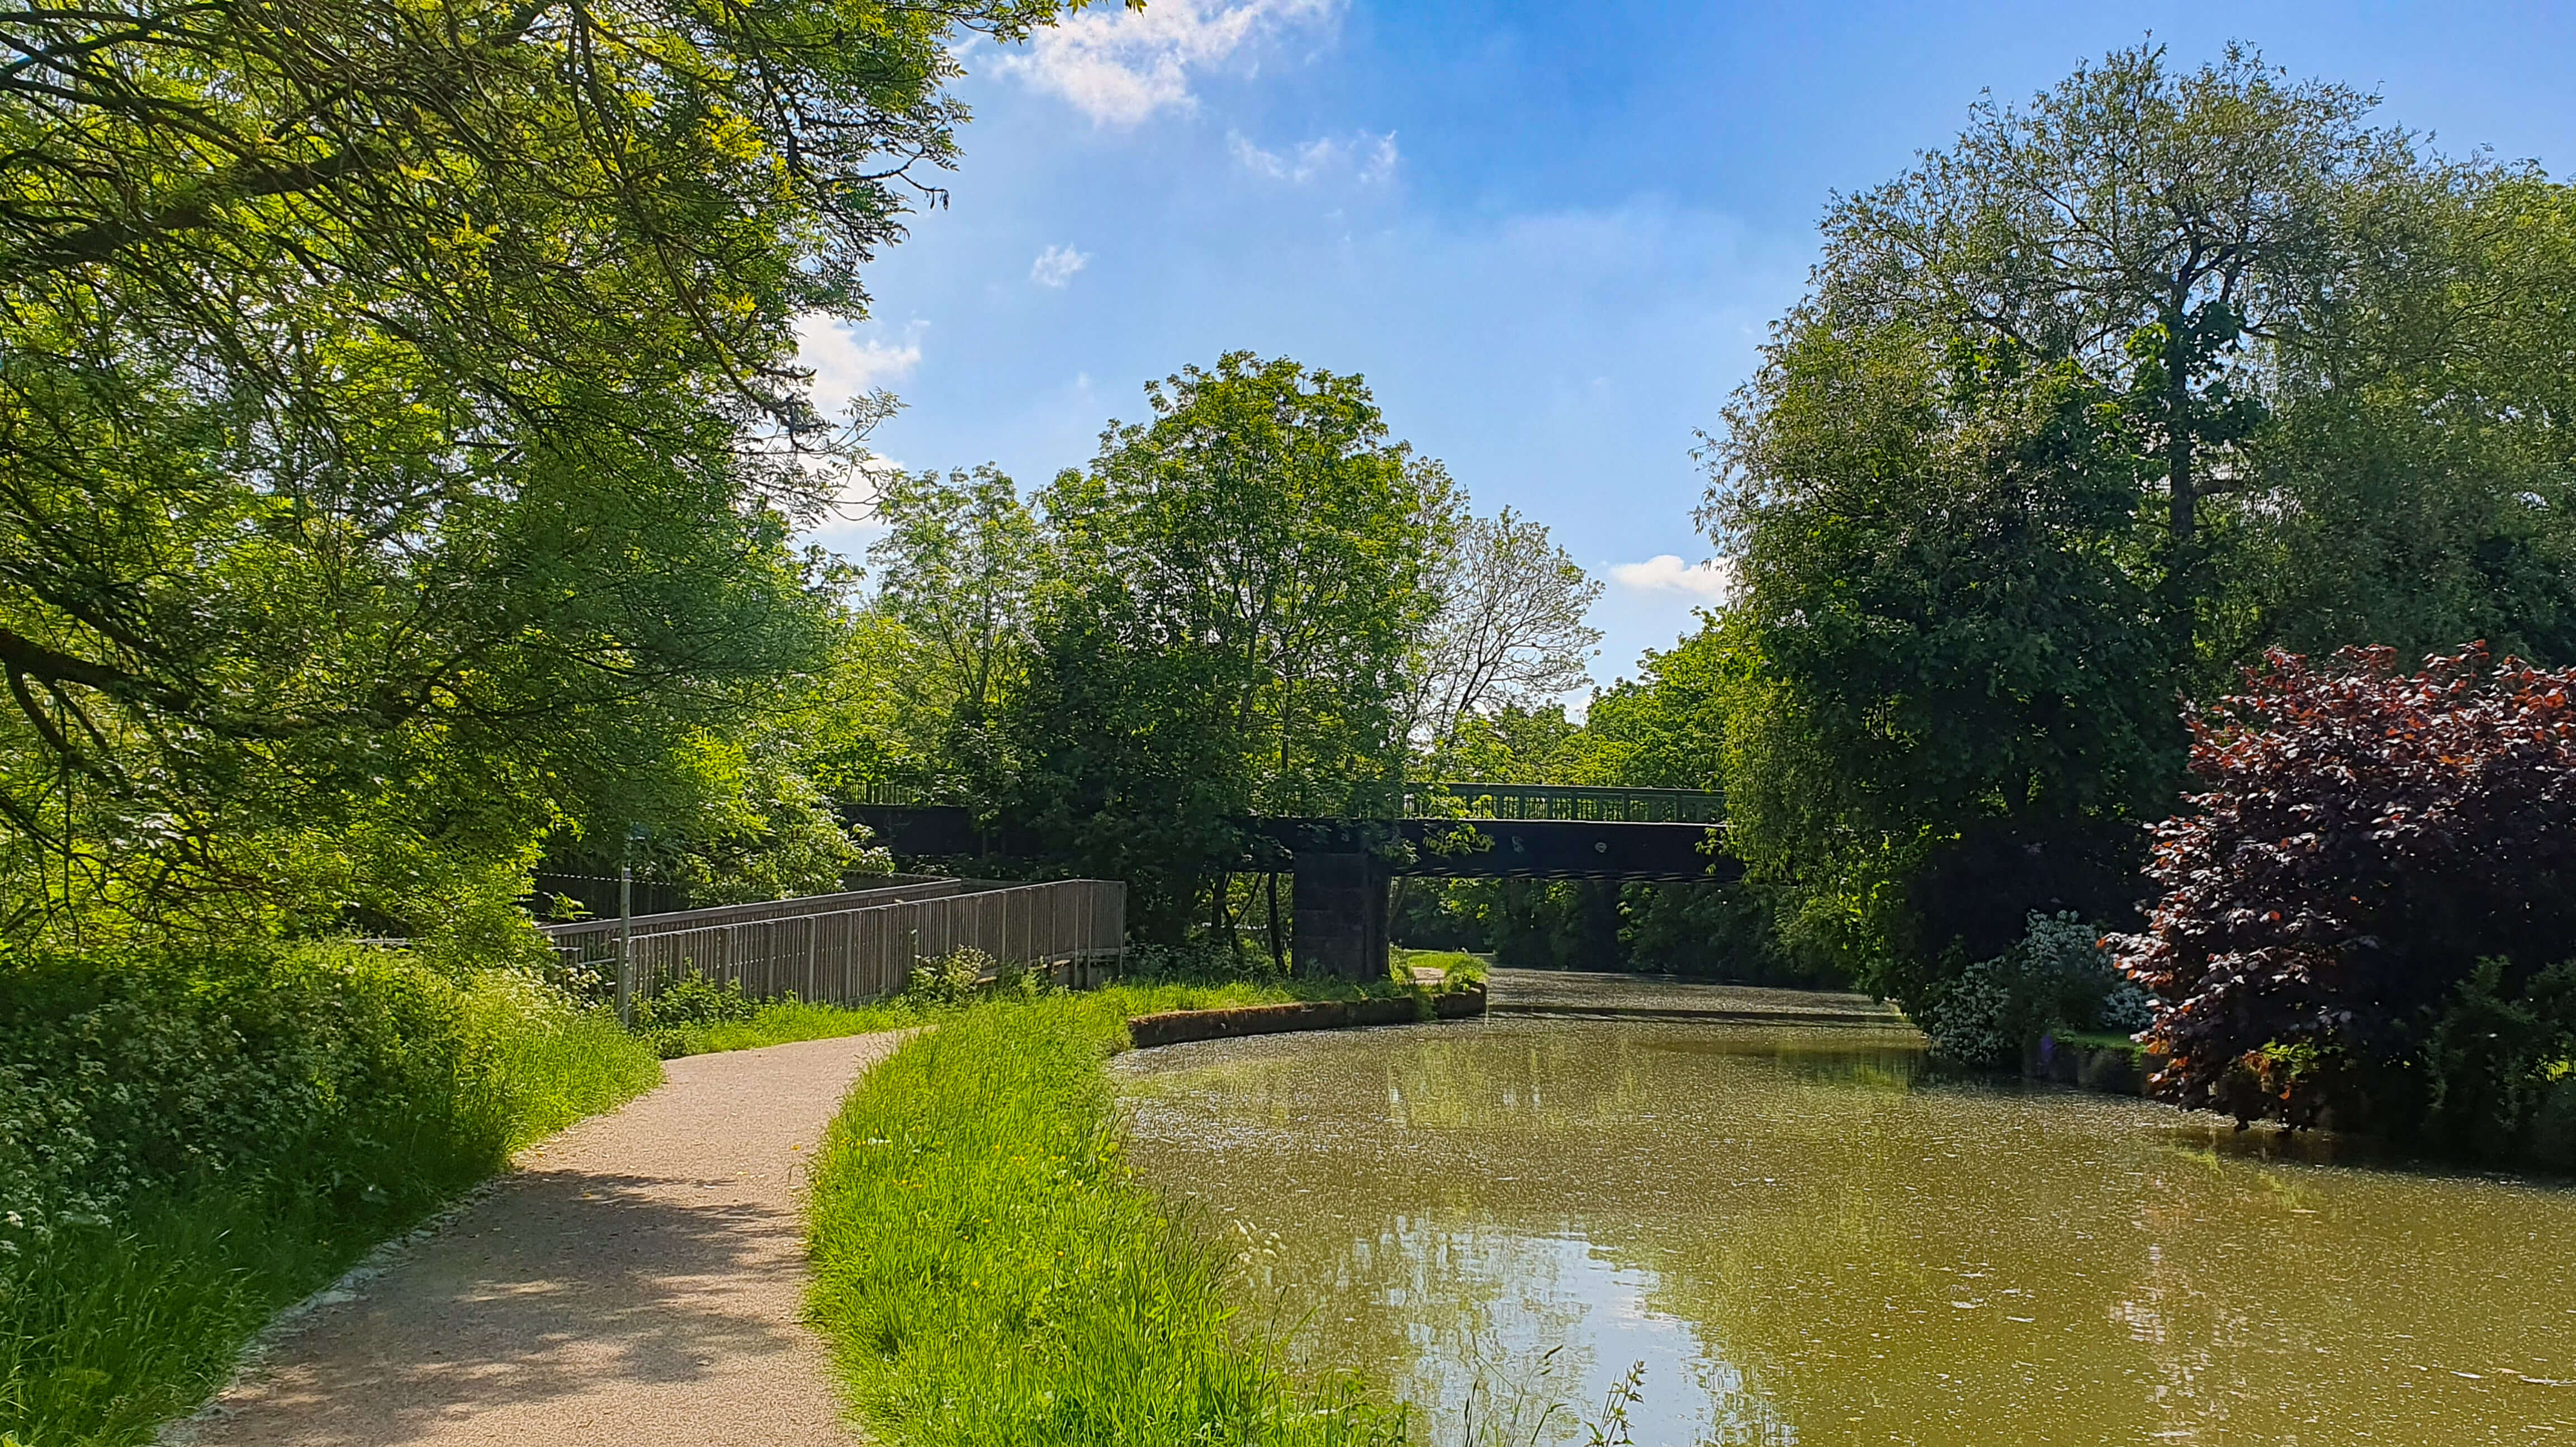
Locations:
(2158, 231)
(401, 414)
(2081, 412)
(958, 570)
(1242, 585)
(1945, 696)
(2418, 477)
(1665, 728)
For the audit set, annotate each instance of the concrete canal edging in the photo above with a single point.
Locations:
(1176, 1027)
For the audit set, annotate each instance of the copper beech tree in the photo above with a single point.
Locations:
(2366, 840)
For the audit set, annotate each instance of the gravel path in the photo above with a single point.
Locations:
(639, 1278)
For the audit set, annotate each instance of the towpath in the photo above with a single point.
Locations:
(638, 1278)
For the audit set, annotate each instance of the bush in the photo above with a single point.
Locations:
(682, 1006)
(2499, 1066)
(1197, 962)
(2057, 978)
(949, 981)
(190, 1141)
(131, 1075)
(2366, 840)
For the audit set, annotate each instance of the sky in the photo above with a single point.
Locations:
(1551, 236)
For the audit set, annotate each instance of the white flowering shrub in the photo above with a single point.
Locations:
(242, 1070)
(2057, 978)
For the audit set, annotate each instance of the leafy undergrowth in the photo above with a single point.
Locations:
(989, 1273)
(189, 1145)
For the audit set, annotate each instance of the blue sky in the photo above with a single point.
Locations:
(1550, 236)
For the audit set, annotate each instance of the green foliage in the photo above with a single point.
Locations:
(2364, 839)
(405, 426)
(676, 1014)
(1240, 585)
(989, 1272)
(2420, 432)
(2146, 230)
(957, 572)
(190, 1142)
(1510, 744)
(2500, 1066)
(1706, 931)
(1663, 729)
(1938, 642)
(950, 981)
(2082, 412)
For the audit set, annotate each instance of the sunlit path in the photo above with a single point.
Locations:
(639, 1278)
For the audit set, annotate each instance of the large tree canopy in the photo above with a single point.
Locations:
(2156, 230)
(1242, 587)
(2131, 382)
(399, 415)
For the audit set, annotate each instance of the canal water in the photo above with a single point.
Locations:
(1806, 1236)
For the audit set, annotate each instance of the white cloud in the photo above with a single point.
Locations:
(1367, 158)
(1666, 573)
(845, 366)
(1119, 66)
(1056, 265)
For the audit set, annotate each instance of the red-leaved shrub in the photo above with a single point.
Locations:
(2366, 838)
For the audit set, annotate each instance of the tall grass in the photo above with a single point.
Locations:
(991, 1275)
(249, 1127)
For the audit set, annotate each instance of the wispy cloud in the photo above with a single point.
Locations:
(1056, 265)
(1119, 66)
(847, 366)
(1364, 157)
(1667, 573)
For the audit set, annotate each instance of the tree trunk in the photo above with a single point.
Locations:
(2182, 518)
(1278, 953)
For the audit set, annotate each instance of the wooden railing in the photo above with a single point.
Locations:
(850, 948)
(896, 889)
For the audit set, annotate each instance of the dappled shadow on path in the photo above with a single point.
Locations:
(577, 1304)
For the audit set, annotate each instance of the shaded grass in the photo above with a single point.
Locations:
(114, 1321)
(989, 1272)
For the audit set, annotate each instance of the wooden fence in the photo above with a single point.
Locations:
(850, 948)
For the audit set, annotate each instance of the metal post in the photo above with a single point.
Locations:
(626, 938)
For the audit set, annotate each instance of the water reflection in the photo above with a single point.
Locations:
(1807, 1237)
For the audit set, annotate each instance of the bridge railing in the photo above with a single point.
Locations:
(832, 949)
(1441, 799)
(899, 796)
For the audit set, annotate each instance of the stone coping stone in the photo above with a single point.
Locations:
(1175, 1027)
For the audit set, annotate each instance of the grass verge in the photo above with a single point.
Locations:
(186, 1147)
(1462, 968)
(696, 1019)
(990, 1273)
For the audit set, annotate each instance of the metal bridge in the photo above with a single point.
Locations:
(1441, 829)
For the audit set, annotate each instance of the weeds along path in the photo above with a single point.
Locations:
(638, 1278)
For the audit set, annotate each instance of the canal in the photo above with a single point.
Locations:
(1805, 1235)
